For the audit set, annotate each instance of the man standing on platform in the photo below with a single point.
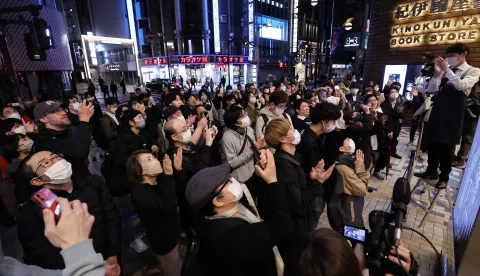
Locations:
(452, 85)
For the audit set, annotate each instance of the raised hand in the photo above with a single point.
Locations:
(269, 173)
(167, 165)
(359, 157)
(202, 124)
(30, 126)
(260, 143)
(178, 159)
(73, 227)
(318, 168)
(85, 111)
(154, 149)
(209, 136)
(191, 120)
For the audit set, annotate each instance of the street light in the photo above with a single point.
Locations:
(313, 2)
(230, 40)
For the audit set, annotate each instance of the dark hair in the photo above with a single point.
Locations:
(308, 95)
(458, 48)
(392, 87)
(172, 96)
(71, 97)
(231, 116)
(119, 112)
(8, 124)
(278, 97)
(23, 175)
(111, 101)
(6, 106)
(229, 87)
(396, 84)
(324, 253)
(325, 112)
(138, 88)
(297, 103)
(196, 107)
(368, 97)
(249, 85)
(292, 98)
(134, 168)
(227, 98)
(9, 146)
(188, 96)
(203, 91)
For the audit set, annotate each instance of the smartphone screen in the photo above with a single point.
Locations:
(47, 200)
(354, 233)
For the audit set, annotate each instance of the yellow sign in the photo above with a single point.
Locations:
(446, 30)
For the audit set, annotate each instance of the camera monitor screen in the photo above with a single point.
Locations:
(354, 233)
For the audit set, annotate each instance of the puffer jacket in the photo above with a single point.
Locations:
(105, 231)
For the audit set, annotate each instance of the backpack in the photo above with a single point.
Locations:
(99, 135)
(265, 120)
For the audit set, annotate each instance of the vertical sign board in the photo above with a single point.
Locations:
(216, 26)
(295, 26)
(251, 35)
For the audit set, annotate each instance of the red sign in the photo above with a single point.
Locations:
(193, 59)
(150, 61)
(149, 35)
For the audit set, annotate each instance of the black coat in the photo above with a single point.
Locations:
(105, 231)
(232, 246)
(73, 143)
(156, 205)
(300, 124)
(393, 117)
(361, 136)
(299, 195)
(114, 167)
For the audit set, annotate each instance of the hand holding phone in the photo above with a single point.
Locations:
(47, 200)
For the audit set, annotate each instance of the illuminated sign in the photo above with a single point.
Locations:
(338, 66)
(295, 26)
(117, 66)
(153, 61)
(204, 59)
(271, 33)
(216, 26)
(251, 27)
(452, 27)
(352, 40)
(48, 32)
(395, 73)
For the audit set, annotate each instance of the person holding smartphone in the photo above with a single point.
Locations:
(45, 169)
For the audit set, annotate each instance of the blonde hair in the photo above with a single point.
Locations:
(275, 130)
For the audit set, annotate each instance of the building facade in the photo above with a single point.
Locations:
(54, 72)
(402, 32)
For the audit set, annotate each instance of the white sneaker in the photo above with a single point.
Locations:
(138, 245)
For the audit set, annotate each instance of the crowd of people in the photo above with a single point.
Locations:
(244, 173)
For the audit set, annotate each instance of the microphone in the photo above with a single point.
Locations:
(401, 197)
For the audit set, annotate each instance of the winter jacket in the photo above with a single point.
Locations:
(300, 196)
(105, 230)
(156, 205)
(361, 136)
(300, 123)
(74, 147)
(260, 125)
(114, 167)
(347, 194)
(109, 127)
(232, 246)
(241, 162)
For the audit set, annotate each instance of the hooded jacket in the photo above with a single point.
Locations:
(260, 124)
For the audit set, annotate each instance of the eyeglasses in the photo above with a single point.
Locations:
(219, 193)
(47, 163)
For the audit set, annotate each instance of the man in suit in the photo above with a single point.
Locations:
(394, 110)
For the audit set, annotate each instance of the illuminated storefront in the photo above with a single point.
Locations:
(203, 67)
(408, 30)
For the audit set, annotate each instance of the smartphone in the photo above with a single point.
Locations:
(256, 155)
(354, 233)
(15, 104)
(47, 200)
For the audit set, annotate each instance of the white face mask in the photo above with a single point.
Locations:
(393, 96)
(297, 138)
(20, 130)
(452, 61)
(181, 118)
(245, 121)
(113, 110)
(252, 100)
(236, 189)
(376, 89)
(279, 111)
(354, 91)
(330, 128)
(27, 145)
(187, 137)
(153, 168)
(14, 116)
(76, 106)
(59, 173)
(351, 144)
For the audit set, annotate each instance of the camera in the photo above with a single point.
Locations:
(429, 69)
(204, 114)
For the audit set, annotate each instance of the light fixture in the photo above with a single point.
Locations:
(347, 25)
(313, 2)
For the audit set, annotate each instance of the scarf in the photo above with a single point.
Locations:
(241, 212)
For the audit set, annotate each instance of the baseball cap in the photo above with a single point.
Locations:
(45, 107)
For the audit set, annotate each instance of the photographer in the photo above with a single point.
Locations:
(325, 252)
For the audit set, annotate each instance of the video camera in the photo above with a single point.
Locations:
(386, 229)
(429, 69)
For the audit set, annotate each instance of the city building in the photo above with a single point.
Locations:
(402, 32)
(40, 70)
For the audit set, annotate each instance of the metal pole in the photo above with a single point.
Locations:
(228, 62)
(168, 58)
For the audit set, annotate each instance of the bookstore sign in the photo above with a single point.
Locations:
(411, 29)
